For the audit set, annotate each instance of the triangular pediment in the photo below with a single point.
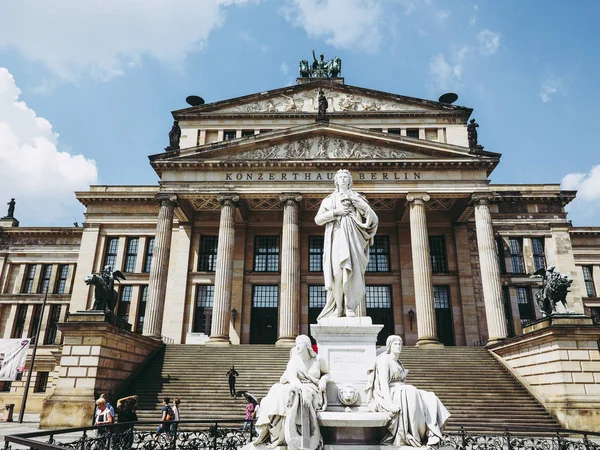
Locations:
(304, 99)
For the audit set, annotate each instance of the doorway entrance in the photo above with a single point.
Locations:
(264, 314)
(443, 315)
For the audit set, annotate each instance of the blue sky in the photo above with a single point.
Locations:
(86, 88)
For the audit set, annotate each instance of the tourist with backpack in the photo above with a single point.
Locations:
(168, 415)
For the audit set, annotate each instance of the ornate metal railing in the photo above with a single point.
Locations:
(228, 435)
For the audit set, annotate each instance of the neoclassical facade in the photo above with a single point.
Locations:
(225, 250)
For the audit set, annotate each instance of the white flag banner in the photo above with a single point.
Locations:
(13, 354)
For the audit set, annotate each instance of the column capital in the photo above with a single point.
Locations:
(166, 199)
(481, 198)
(417, 197)
(290, 198)
(228, 198)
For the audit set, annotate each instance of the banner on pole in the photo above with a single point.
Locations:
(13, 354)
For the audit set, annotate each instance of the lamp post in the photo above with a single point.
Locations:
(234, 315)
(411, 316)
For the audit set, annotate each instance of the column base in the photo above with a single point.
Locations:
(286, 341)
(429, 342)
(218, 341)
(494, 341)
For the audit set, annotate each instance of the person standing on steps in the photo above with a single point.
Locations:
(231, 375)
(176, 402)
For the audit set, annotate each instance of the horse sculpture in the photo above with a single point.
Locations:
(554, 290)
(335, 67)
(105, 297)
(304, 68)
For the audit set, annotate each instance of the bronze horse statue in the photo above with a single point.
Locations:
(555, 288)
(105, 296)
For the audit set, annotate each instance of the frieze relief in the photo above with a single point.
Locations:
(323, 147)
(307, 101)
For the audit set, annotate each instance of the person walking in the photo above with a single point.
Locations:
(167, 416)
(177, 417)
(249, 417)
(231, 375)
(103, 416)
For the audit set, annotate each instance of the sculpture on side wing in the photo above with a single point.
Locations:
(417, 417)
(555, 288)
(472, 133)
(11, 209)
(350, 227)
(105, 295)
(294, 401)
(174, 136)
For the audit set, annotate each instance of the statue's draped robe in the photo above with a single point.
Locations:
(289, 404)
(422, 415)
(346, 253)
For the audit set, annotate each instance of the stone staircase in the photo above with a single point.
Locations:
(477, 390)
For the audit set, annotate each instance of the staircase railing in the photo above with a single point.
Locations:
(229, 435)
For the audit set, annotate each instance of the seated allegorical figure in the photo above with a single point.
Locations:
(301, 390)
(417, 417)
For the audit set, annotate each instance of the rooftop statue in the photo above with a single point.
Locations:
(320, 68)
(555, 288)
(11, 209)
(472, 133)
(105, 295)
(350, 227)
(174, 136)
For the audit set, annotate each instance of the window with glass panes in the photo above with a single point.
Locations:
(315, 253)
(35, 321)
(524, 300)
(441, 297)
(205, 295)
(19, 322)
(29, 276)
(516, 255)
(52, 328)
(131, 255)
(141, 313)
(500, 254)
(437, 252)
(266, 254)
(45, 279)
(208, 253)
(378, 297)
(149, 254)
(379, 255)
(110, 254)
(317, 296)
(41, 381)
(265, 296)
(124, 301)
(539, 258)
(412, 133)
(61, 283)
(588, 279)
(228, 135)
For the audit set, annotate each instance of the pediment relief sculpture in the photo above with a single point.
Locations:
(307, 101)
(323, 147)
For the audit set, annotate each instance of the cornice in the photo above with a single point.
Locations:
(38, 231)
(89, 197)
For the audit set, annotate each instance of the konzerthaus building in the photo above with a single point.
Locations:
(225, 247)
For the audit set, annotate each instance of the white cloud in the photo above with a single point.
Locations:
(550, 86)
(32, 169)
(489, 42)
(102, 38)
(585, 205)
(351, 24)
(284, 68)
(447, 75)
(442, 16)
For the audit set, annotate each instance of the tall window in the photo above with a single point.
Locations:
(539, 258)
(317, 296)
(441, 297)
(510, 326)
(52, 328)
(36, 319)
(437, 250)
(379, 255)
(19, 322)
(378, 297)
(204, 303)
(315, 253)
(46, 275)
(525, 302)
(131, 256)
(110, 254)
(41, 381)
(266, 254)
(208, 253)
(125, 302)
(265, 296)
(516, 255)
(29, 276)
(61, 283)
(149, 254)
(501, 255)
(588, 278)
(139, 323)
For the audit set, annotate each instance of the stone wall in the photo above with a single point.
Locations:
(97, 357)
(560, 365)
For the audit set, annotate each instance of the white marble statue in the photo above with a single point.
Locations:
(288, 414)
(350, 226)
(417, 417)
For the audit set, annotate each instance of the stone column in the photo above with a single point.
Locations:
(219, 333)
(157, 286)
(289, 304)
(490, 272)
(426, 328)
